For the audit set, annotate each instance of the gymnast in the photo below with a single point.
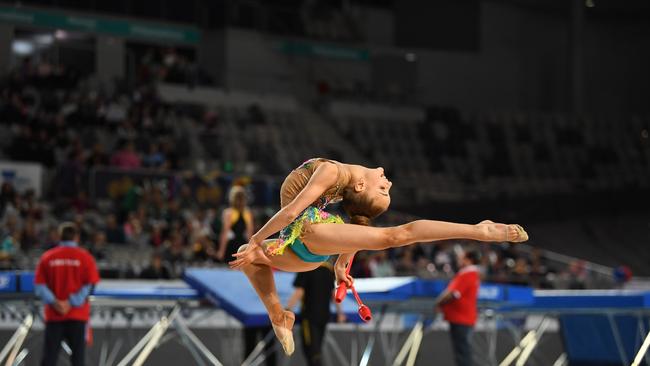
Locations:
(311, 234)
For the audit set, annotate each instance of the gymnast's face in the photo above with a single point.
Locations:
(378, 187)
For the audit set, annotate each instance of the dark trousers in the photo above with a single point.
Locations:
(71, 331)
(252, 335)
(460, 339)
(312, 341)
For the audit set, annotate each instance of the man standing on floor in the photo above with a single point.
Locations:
(65, 276)
(458, 304)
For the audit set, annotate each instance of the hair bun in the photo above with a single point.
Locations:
(360, 220)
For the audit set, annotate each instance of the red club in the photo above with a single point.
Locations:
(364, 311)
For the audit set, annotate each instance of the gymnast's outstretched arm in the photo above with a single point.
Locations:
(323, 178)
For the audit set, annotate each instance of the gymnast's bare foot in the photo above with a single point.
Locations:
(283, 328)
(501, 232)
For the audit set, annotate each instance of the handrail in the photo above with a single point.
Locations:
(13, 346)
(548, 254)
(566, 259)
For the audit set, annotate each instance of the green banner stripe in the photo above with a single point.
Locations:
(327, 51)
(116, 27)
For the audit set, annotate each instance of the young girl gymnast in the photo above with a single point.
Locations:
(309, 234)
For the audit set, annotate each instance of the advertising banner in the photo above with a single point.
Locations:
(22, 176)
(104, 25)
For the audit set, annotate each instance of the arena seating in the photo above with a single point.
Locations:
(510, 155)
(433, 155)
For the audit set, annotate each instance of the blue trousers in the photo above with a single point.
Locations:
(73, 332)
(461, 336)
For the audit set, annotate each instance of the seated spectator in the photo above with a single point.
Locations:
(116, 111)
(156, 269)
(173, 212)
(443, 259)
(70, 173)
(538, 269)
(52, 238)
(622, 275)
(97, 246)
(126, 157)
(134, 231)
(114, 233)
(11, 215)
(9, 246)
(380, 266)
(7, 194)
(132, 197)
(97, 157)
(174, 254)
(126, 131)
(520, 273)
(171, 151)
(157, 205)
(577, 274)
(203, 249)
(187, 200)
(156, 238)
(154, 158)
(30, 206)
(80, 202)
(84, 226)
(30, 235)
(406, 263)
(198, 226)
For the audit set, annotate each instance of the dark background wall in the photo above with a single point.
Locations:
(617, 65)
(522, 60)
(521, 64)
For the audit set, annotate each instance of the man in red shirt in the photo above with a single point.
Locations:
(65, 276)
(458, 304)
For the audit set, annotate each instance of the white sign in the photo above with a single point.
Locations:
(383, 284)
(5, 280)
(23, 176)
(489, 293)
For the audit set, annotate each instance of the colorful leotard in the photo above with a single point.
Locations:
(315, 213)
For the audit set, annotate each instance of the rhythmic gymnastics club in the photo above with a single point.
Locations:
(364, 311)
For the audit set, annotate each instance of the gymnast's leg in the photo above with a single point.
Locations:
(261, 277)
(329, 239)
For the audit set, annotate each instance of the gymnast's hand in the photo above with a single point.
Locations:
(246, 256)
(342, 275)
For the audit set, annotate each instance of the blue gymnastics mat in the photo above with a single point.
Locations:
(231, 291)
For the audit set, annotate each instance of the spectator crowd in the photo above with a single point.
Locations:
(149, 229)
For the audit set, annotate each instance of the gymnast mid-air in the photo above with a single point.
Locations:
(309, 235)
